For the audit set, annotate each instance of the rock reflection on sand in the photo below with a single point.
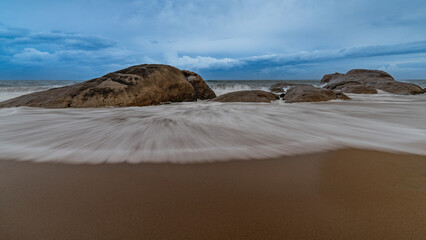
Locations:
(208, 131)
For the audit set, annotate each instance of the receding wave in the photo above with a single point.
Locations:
(209, 131)
(220, 89)
(225, 86)
(11, 89)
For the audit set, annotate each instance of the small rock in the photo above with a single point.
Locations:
(311, 94)
(247, 96)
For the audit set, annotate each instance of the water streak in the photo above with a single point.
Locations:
(209, 131)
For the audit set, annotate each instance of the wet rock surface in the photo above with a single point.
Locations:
(141, 85)
(202, 90)
(311, 94)
(363, 81)
(247, 96)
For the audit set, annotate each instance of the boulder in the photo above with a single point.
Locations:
(283, 87)
(247, 96)
(202, 90)
(333, 76)
(311, 94)
(352, 87)
(368, 82)
(141, 85)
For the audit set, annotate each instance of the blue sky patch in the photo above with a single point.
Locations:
(273, 39)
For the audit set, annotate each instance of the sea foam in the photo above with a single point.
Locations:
(209, 131)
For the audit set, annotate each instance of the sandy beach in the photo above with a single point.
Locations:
(345, 194)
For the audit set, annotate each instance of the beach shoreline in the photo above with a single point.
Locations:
(342, 194)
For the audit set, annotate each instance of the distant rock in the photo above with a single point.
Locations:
(363, 81)
(295, 92)
(141, 85)
(311, 94)
(283, 87)
(333, 76)
(247, 96)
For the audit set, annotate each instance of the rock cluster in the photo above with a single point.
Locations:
(363, 81)
(152, 84)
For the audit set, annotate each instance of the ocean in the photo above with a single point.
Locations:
(207, 131)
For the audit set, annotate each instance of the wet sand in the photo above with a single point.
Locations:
(345, 194)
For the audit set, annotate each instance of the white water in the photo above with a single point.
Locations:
(222, 87)
(11, 89)
(219, 90)
(209, 131)
(13, 92)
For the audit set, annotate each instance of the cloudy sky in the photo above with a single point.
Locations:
(221, 39)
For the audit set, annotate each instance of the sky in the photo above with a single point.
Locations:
(221, 39)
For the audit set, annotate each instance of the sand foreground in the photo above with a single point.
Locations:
(345, 194)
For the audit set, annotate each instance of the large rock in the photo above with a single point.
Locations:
(368, 82)
(202, 90)
(141, 85)
(247, 96)
(311, 94)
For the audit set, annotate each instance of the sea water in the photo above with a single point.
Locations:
(207, 131)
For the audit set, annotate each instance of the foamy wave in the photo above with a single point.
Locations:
(10, 89)
(209, 131)
(13, 92)
(220, 89)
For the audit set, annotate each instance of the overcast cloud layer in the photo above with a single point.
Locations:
(222, 39)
